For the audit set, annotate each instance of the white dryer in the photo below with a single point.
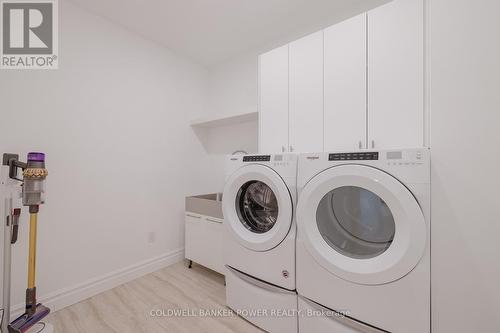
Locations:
(363, 242)
(259, 244)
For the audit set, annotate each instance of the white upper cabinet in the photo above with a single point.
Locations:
(306, 94)
(273, 95)
(345, 85)
(356, 85)
(396, 75)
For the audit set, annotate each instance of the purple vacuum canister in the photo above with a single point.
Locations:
(36, 157)
(36, 160)
(34, 178)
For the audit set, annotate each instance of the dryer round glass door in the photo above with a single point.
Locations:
(355, 222)
(361, 224)
(257, 207)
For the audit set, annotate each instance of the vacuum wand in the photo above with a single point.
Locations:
(31, 291)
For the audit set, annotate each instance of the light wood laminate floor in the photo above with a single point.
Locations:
(128, 308)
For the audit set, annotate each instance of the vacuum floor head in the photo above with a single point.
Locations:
(25, 322)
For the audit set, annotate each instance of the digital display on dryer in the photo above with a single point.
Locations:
(394, 155)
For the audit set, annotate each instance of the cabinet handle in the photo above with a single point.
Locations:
(373, 143)
(360, 145)
(194, 216)
(213, 221)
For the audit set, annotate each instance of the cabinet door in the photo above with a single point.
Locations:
(194, 233)
(396, 75)
(204, 241)
(213, 244)
(273, 95)
(345, 85)
(306, 94)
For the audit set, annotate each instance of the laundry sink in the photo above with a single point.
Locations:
(205, 204)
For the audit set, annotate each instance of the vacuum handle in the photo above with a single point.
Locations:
(15, 225)
(15, 229)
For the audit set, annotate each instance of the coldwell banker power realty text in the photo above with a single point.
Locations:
(29, 36)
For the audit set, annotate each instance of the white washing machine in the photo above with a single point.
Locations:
(259, 244)
(363, 242)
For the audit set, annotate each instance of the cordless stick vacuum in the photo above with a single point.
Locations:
(34, 174)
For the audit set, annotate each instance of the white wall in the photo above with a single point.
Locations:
(465, 138)
(113, 121)
(233, 85)
(232, 88)
(227, 139)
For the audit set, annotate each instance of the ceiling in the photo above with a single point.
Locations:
(212, 31)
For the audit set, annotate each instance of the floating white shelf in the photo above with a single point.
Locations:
(217, 121)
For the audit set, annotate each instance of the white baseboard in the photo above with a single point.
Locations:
(69, 296)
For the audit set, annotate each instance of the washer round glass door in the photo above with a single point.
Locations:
(361, 224)
(257, 207)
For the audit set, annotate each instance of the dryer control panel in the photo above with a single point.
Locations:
(353, 156)
(392, 157)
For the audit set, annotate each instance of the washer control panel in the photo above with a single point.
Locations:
(353, 156)
(257, 158)
(282, 160)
